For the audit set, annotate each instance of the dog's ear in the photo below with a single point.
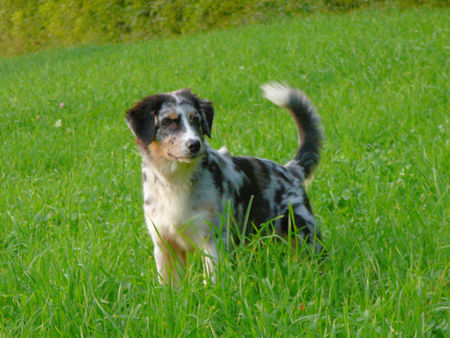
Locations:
(141, 118)
(207, 112)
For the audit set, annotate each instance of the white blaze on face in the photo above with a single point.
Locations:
(183, 109)
(190, 133)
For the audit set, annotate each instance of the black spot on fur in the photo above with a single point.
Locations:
(205, 161)
(212, 165)
(279, 195)
(280, 171)
(217, 176)
(261, 171)
(260, 210)
(306, 202)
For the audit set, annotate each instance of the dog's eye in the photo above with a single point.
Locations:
(170, 122)
(193, 118)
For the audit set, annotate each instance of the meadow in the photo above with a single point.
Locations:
(76, 258)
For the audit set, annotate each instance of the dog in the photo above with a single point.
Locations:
(188, 186)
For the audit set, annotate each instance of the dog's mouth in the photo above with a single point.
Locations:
(187, 159)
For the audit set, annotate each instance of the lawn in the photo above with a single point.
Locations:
(76, 258)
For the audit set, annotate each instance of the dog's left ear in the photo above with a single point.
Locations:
(207, 111)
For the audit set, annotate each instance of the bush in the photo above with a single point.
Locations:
(36, 24)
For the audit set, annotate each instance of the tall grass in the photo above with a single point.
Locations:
(76, 259)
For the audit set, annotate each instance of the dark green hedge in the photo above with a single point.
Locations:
(27, 25)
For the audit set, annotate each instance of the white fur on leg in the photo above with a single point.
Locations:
(210, 258)
(169, 262)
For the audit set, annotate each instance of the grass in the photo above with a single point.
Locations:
(76, 259)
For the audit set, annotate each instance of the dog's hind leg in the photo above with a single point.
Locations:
(301, 225)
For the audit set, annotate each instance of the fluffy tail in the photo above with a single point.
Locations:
(306, 120)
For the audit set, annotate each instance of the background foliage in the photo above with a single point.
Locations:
(30, 25)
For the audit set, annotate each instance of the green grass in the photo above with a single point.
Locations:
(76, 259)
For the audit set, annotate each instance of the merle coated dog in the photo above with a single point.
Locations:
(188, 185)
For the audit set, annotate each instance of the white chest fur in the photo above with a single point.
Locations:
(179, 210)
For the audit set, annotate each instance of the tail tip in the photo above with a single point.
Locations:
(277, 93)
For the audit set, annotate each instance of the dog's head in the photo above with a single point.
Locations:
(172, 125)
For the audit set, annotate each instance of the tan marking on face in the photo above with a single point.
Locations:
(158, 152)
(172, 115)
(164, 150)
(156, 149)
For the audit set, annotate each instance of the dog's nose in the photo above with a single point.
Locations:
(193, 145)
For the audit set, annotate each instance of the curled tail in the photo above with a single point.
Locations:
(307, 122)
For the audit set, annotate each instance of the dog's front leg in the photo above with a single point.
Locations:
(170, 260)
(162, 263)
(210, 258)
